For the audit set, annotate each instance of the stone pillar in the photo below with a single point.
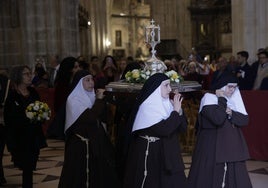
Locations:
(53, 29)
(10, 48)
(69, 28)
(98, 29)
(31, 28)
(184, 28)
(32, 17)
(174, 19)
(249, 26)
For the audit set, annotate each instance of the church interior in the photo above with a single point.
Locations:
(39, 29)
(34, 31)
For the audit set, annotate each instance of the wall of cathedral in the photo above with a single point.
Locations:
(31, 29)
(98, 30)
(174, 19)
(184, 28)
(34, 29)
(128, 31)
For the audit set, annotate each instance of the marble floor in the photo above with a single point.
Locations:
(51, 160)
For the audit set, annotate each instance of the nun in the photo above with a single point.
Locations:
(221, 151)
(154, 155)
(89, 155)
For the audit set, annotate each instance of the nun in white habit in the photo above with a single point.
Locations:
(89, 155)
(221, 151)
(154, 157)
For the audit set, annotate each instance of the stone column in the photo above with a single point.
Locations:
(98, 29)
(52, 22)
(184, 28)
(39, 29)
(31, 28)
(249, 26)
(69, 28)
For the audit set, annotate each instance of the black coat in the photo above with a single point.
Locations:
(264, 84)
(247, 82)
(24, 139)
(219, 141)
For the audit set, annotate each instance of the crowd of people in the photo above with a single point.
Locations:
(146, 152)
(252, 76)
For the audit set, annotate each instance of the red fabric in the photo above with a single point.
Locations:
(256, 133)
(47, 96)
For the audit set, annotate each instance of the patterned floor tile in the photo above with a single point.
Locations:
(51, 160)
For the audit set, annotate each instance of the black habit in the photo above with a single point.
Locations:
(101, 164)
(154, 155)
(164, 163)
(219, 142)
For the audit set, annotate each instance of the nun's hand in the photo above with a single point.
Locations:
(99, 93)
(177, 100)
(229, 111)
(219, 93)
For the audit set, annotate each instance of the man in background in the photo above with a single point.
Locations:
(53, 69)
(262, 71)
(244, 71)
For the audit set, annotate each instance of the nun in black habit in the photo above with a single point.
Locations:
(89, 155)
(154, 157)
(219, 157)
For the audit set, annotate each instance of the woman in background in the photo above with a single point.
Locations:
(68, 67)
(110, 69)
(24, 138)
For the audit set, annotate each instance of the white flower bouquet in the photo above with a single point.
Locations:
(174, 76)
(140, 76)
(38, 112)
(137, 76)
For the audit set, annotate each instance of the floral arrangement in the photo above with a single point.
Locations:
(38, 112)
(140, 76)
(174, 76)
(137, 76)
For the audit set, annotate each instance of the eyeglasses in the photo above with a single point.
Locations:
(27, 74)
(232, 86)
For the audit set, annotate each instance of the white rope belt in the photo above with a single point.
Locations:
(224, 175)
(149, 140)
(86, 140)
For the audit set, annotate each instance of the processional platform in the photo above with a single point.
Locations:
(125, 87)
